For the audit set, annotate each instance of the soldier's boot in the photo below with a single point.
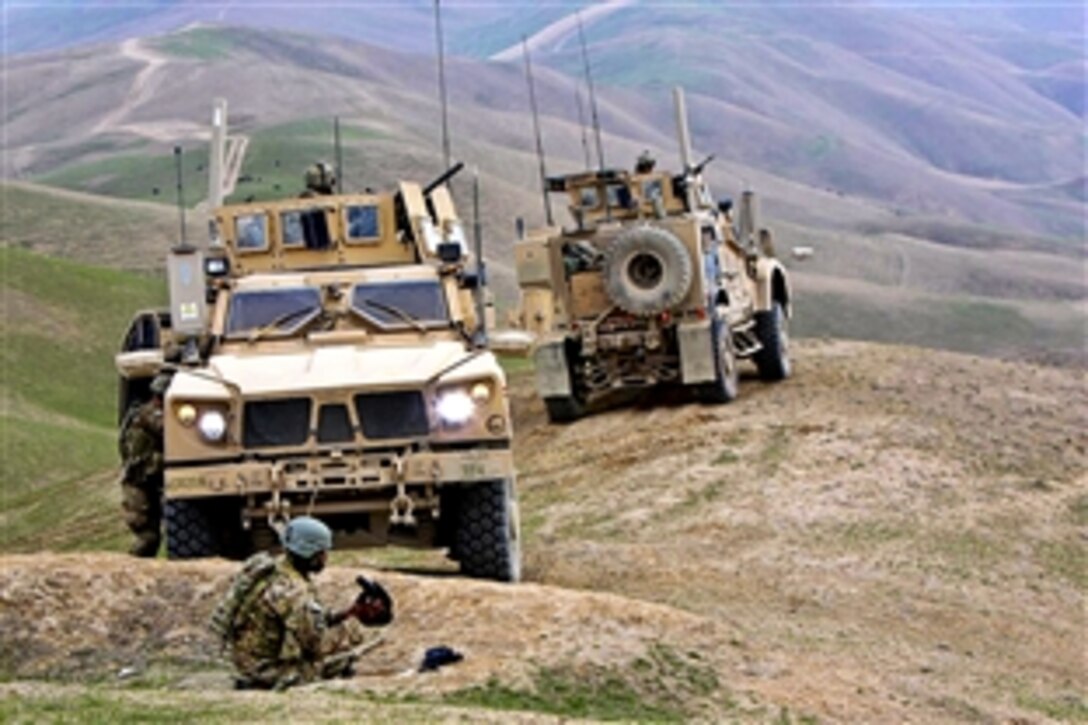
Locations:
(146, 544)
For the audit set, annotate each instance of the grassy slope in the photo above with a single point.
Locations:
(148, 176)
(61, 326)
(86, 228)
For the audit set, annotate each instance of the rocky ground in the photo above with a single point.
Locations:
(892, 535)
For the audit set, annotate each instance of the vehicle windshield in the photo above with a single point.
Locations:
(403, 303)
(282, 310)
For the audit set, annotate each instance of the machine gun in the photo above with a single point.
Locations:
(443, 178)
(698, 168)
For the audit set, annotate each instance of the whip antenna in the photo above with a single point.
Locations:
(442, 83)
(181, 194)
(582, 124)
(536, 132)
(339, 155)
(592, 95)
(481, 269)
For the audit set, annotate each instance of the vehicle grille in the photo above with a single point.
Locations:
(334, 424)
(392, 415)
(273, 423)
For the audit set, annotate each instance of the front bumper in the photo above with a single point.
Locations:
(349, 473)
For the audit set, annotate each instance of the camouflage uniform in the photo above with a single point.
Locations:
(281, 634)
(141, 480)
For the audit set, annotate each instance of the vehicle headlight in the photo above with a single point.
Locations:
(212, 426)
(481, 393)
(186, 413)
(455, 407)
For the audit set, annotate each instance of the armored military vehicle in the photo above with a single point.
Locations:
(655, 284)
(327, 359)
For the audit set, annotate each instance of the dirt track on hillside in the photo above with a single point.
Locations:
(892, 535)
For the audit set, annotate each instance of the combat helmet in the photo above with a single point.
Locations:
(320, 178)
(160, 384)
(305, 536)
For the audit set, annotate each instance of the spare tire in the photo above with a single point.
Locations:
(647, 271)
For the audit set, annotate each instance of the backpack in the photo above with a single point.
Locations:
(255, 570)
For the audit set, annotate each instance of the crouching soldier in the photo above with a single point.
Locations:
(275, 629)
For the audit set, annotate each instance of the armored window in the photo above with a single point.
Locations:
(651, 190)
(251, 232)
(281, 311)
(305, 229)
(401, 304)
(588, 198)
(619, 196)
(362, 222)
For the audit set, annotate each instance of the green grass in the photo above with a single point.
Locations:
(664, 685)
(89, 230)
(91, 707)
(57, 430)
(962, 325)
(198, 43)
(147, 177)
(1065, 708)
(569, 694)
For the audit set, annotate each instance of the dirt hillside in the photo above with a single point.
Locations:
(892, 535)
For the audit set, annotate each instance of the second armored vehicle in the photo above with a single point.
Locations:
(655, 284)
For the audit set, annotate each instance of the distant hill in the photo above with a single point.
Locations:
(103, 119)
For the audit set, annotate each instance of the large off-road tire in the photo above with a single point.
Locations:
(647, 271)
(568, 408)
(565, 409)
(773, 360)
(488, 540)
(189, 530)
(726, 382)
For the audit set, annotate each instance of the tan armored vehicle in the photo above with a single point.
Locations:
(655, 284)
(329, 360)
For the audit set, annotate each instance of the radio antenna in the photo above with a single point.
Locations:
(181, 194)
(481, 268)
(442, 83)
(339, 155)
(582, 124)
(536, 132)
(592, 95)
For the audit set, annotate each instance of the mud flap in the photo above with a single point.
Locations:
(552, 374)
(696, 352)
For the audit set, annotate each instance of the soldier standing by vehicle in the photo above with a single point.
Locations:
(276, 630)
(141, 450)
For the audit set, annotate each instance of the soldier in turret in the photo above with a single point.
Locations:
(320, 181)
(141, 449)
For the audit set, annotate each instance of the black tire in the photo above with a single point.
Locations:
(727, 376)
(564, 410)
(773, 360)
(488, 541)
(189, 530)
(647, 271)
(568, 408)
